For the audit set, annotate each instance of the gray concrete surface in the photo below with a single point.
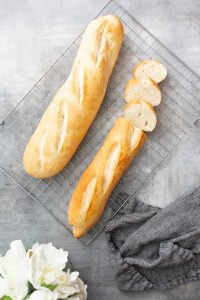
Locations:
(33, 34)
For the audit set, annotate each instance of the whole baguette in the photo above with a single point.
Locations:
(97, 182)
(74, 107)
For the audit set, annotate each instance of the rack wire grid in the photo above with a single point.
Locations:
(177, 113)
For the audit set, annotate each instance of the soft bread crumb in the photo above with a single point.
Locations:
(141, 114)
(150, 68)
(143, 89)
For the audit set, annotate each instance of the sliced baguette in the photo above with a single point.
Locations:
(141, 114)
(143, 89)
(91, 194)
(150, 68)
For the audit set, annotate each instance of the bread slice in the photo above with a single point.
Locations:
(141, 114)
(150, 68)
(143, 89)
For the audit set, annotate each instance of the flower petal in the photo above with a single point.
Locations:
(14, 270)
(43, 295)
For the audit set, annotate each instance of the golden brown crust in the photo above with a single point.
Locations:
(73, 108)
(129, 84)
(119, 135)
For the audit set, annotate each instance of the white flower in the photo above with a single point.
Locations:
(43, 295)
(43, 267)
(69, 284)
(3, 287)
(46, 265)
(82, 295)
(14, 271)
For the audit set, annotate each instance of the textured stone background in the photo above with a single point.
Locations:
(33, 34)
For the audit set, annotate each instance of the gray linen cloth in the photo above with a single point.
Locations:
(154, 248)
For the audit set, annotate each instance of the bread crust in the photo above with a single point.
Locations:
(120, 135)
(74, 107)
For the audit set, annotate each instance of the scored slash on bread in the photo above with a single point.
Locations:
(142, 114)
(144, 89)
(150, 68)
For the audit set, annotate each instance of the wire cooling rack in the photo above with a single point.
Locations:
(179, 109)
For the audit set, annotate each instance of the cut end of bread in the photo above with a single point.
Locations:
(143, 89)
(141, 114)
(150, 68)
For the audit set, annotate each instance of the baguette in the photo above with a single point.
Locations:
(74, 107)
(150, 68)
(143, 89)
(101, 176)
(142, 114)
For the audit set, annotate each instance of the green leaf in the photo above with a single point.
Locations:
(6, 298)
(30, 287)
(51, 287)
(30, 290)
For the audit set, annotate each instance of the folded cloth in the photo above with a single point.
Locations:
(154, 248)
